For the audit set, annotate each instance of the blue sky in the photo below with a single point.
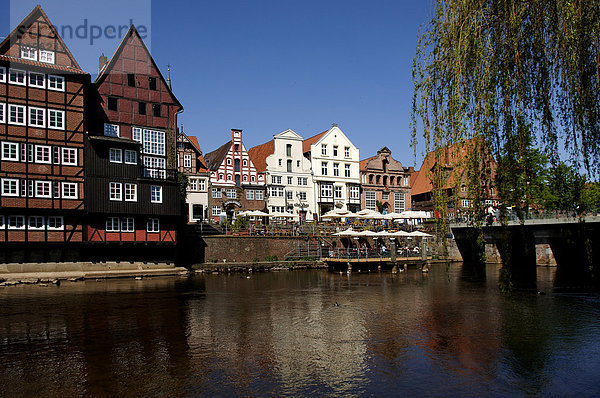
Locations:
(265, 65)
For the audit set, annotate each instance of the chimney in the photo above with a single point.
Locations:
(169, 78)
(102, 62)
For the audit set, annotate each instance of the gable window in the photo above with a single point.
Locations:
(16, 76)
(324, 149)
(324, 168)
(2, 74)
(228, 162)
(36, 117)
(47, 56)
(153, 225)
(131, 80)
(29, 53)
(152, 83)
(347, 151)
(335, 150)
(111, 130)
(42, 154)
(130, 192)
(69, 190)
(245, 163)
(236, 165)
(156, 110)
(115, 155)
(112, 103)
(142, 108)
(37, 80)
(10, 151)
(69, 156)
(56, 119)
(155, 194)
(56, 83)
(130, 157)
(16, 114)
(115, 190)
(187, 160)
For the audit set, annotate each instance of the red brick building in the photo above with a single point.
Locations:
(131, 177)
(42, 94)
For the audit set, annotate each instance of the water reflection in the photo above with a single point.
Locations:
(442, 333)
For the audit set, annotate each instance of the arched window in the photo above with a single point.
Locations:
(245, 163)
(228, 162)
(245, 178)
(229, 177)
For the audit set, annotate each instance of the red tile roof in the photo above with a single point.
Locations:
(309, 141)
(258, 155)
(363, 163)
(194, 141)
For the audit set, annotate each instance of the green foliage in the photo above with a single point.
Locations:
(183, 181)
(564, 188)
(240, 223)
(255, 260)
(271, 258)
(590, 197)
(379, 206)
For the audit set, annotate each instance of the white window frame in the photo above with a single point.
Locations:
(22, 111)
(52, 223)
(302, 195)
(187, 160)
(41, 152)
(327, 191)
(346, 151)
(201, 185)
(216, 193)
(337, 192)
(128, 224)
(2, 113)
(399, 199)
(68, 186)
(55, 113)
(13, 151)
(112, 130)
(336, 169)
(347, 170)
(259, 195)
(12, 183)
(30, 82)
(371, 200)
(55, 83)
(154, 142)
(115, 191)
(193, 185)
(16, 217)
(323, 149)
(2, 74)
(153, 225)
(30, 219)
(2, 224)
(38, 112)
(115, 155)
(156, 194)
(250, 194)
(128, 155)
(46, 56)
(231, 193)
(354, 192)
(216, 210)
(41, 186)
(130, 192)
(136, 134)
(110, 221)
(324, 168)
(19, 74)
(69, 156)
(29, 52)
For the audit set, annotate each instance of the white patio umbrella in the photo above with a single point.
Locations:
(245, 213)
(364, 212)
(420, 234)
(394, 216)
(347, 232)
(367, 233)
(258, 213)
(401, 234)
(384, 233)
(409, 214)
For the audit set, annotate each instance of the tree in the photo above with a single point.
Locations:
(565, 187)
(590, 197)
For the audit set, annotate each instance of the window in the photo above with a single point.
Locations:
(276, 180)
(346, 170)
(142, 108)
(276, 192)
(69, 156)
(69, 190)
(335, 150)
(289, 195)
(288, 149)
(202, 185)
(347, 151)
(326, 191)
(245, 178)
(16, 114)
(2, 113)
(354, 192)
(337, 192)
(128, 224)
(193, 185)
(302, 195)
(10, 151)
(154, 167)
(463, 188)
(56, 222)
(245, 163)
(153, 224)
(112, 103)
(154, 142)
(187, 160)
(259, 195)
(302, 181)
(155, 194)
(336, 169)
(43, 189)
(115, 155)
(324, 149)
(131, 80)
(111, 130)
(298, 163)
(231, 194)
(36, 222)
(289, 165)
(10, 187)
(250, 194)
(216, 193)
(16, 76)
(115, 190)
(56, 83)
(290, 180)
(130, 157)
(152, 83)
(56, 119)
(112, 224)
(131, 192)
(16, 222)
(47, 56)
(156, 110)
(229, 177)
(28, 52)
(279, 162)
(370, 201)
(236, 165)
(324, 168)
(136, 134)
(36, 117)
(216, 210)
(252, 178)
(2, 74)
(42, 154)
(37, 80)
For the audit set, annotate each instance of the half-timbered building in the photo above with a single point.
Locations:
(191, 163)
(132, 191)
(42, 91)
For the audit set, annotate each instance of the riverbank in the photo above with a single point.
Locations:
(252, 266)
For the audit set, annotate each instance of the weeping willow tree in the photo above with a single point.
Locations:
(503, 71)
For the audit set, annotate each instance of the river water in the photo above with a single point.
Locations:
(444, 333)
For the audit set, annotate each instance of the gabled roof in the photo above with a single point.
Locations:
(111, 63)
(35, 14)
(215, 158)
(258, 155)
(309, 141)
(194, 142)
(363, 163)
